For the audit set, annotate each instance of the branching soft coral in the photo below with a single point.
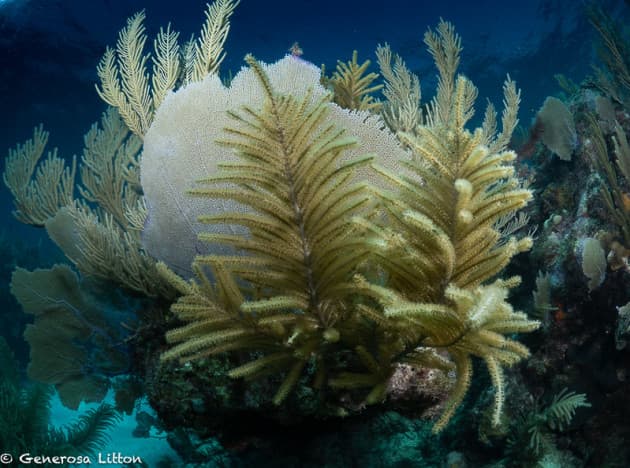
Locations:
(325, 266)
(441, 244)
(38, 194)
(352, 86)
(301, 251)
(125, 82)
(352, 287)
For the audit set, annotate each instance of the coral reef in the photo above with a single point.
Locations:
(319, 265)
(318, 281)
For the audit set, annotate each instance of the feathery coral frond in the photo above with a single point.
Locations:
(440, 244)
(353, 87)
(318, 263)
(209, 48)
(299, 250)
(133, 73)
(509, 118)
(166, 64)
(99, 246)
(296, 158)
(444, 46)
(38, 195)
(124, 79)
(402, 110)
(109, 167)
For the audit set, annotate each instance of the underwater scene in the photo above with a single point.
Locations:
(365, 234)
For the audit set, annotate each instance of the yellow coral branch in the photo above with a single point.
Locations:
(39, 189)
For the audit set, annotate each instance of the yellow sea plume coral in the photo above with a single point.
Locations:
(100, 229)
(100, 247)
(208, 50)
(100, 232)
(124, 78)
(38, 194)
(180, 147)
(338, 276)
(110, 176)
(300, 251)
(352, 86)
(441, 242)
(125, 81)
(401, 109)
